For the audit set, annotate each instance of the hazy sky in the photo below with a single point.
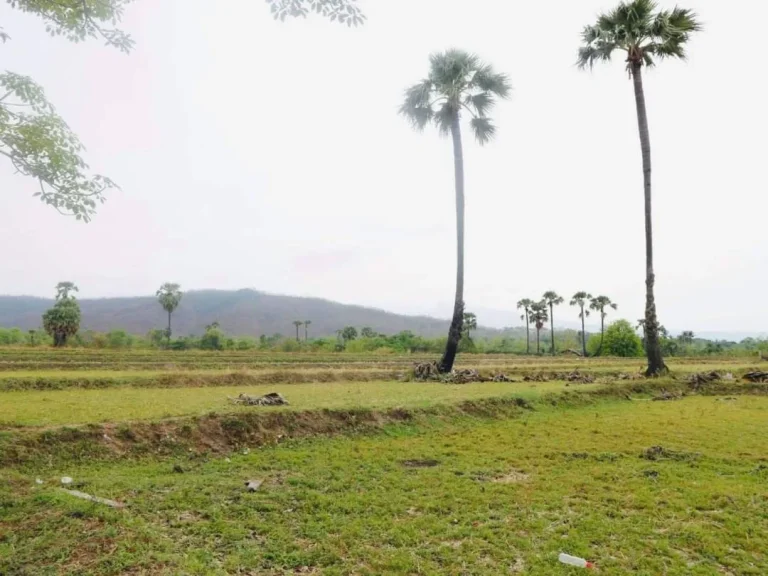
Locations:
(253, 153)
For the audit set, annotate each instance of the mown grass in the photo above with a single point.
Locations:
(72, 407)
(505, 496)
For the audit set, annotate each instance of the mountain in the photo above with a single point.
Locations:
(241, 313)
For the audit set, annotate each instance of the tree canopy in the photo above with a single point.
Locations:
(638, 28)
(457, 82)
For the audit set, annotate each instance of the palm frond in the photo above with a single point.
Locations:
(598, 46)
(416, 106)
(669, 49)
(443, 118)
(487, 80)
(685, 20)
(483, 128)
(635, 16)
(450, 70)
(480, 103)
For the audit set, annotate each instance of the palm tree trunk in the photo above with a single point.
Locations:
(454, 333)
(552, 326)
(297, 332)
(527, 333)
(602, 333)
(652, 348)
(169, 328)
(538, 331)
(583, 335)
(306, 333)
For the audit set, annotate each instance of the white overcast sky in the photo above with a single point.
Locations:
(253, 153)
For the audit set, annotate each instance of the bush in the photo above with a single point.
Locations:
(620, 340)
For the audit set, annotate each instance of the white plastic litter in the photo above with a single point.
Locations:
(575, 561)
(38, 481)
(66, 480)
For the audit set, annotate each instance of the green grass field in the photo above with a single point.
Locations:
(637, 486)
(60, 407)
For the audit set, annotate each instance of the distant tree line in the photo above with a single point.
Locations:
(61, 327)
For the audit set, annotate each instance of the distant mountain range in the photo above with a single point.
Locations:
(241, 313)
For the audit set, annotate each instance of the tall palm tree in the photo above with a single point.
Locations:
(297, 323)
(581, 299)
(526, 304)
(539, 319)
(306, 329)
(645, 34)
(458, 83)
(552, 299)
(599, 304)
(169, 296)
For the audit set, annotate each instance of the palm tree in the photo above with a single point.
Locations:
(539, 319)
(580, 299)
(169, 296)
(645, 34)
(526, 304)
(599, 304)
(297, 323)
(552, 299)
(306, 329)
(457, 83)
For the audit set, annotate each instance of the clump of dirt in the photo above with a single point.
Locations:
(420, 463)
(429, 371)
(655, 453)
(536, 377)
(702, 378)
(756, 376)
(578, 377)
(271, 399)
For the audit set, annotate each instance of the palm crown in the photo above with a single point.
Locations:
(580, 299)
(457, 81)
(539, 314)
(169, 296)
(552, 298)
(641, 30)
(525, 304)
(600, 303)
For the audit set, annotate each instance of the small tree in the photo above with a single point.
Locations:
(552, 299)
(539, 317)
(169, 296)
(368, 332)
(63, 320)
(581, 299)
(600, 304)
(348, 334)
(297, 324)
(214, 338)
(622, 340)
(306, 329)
(470, 323)
(526, 304)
